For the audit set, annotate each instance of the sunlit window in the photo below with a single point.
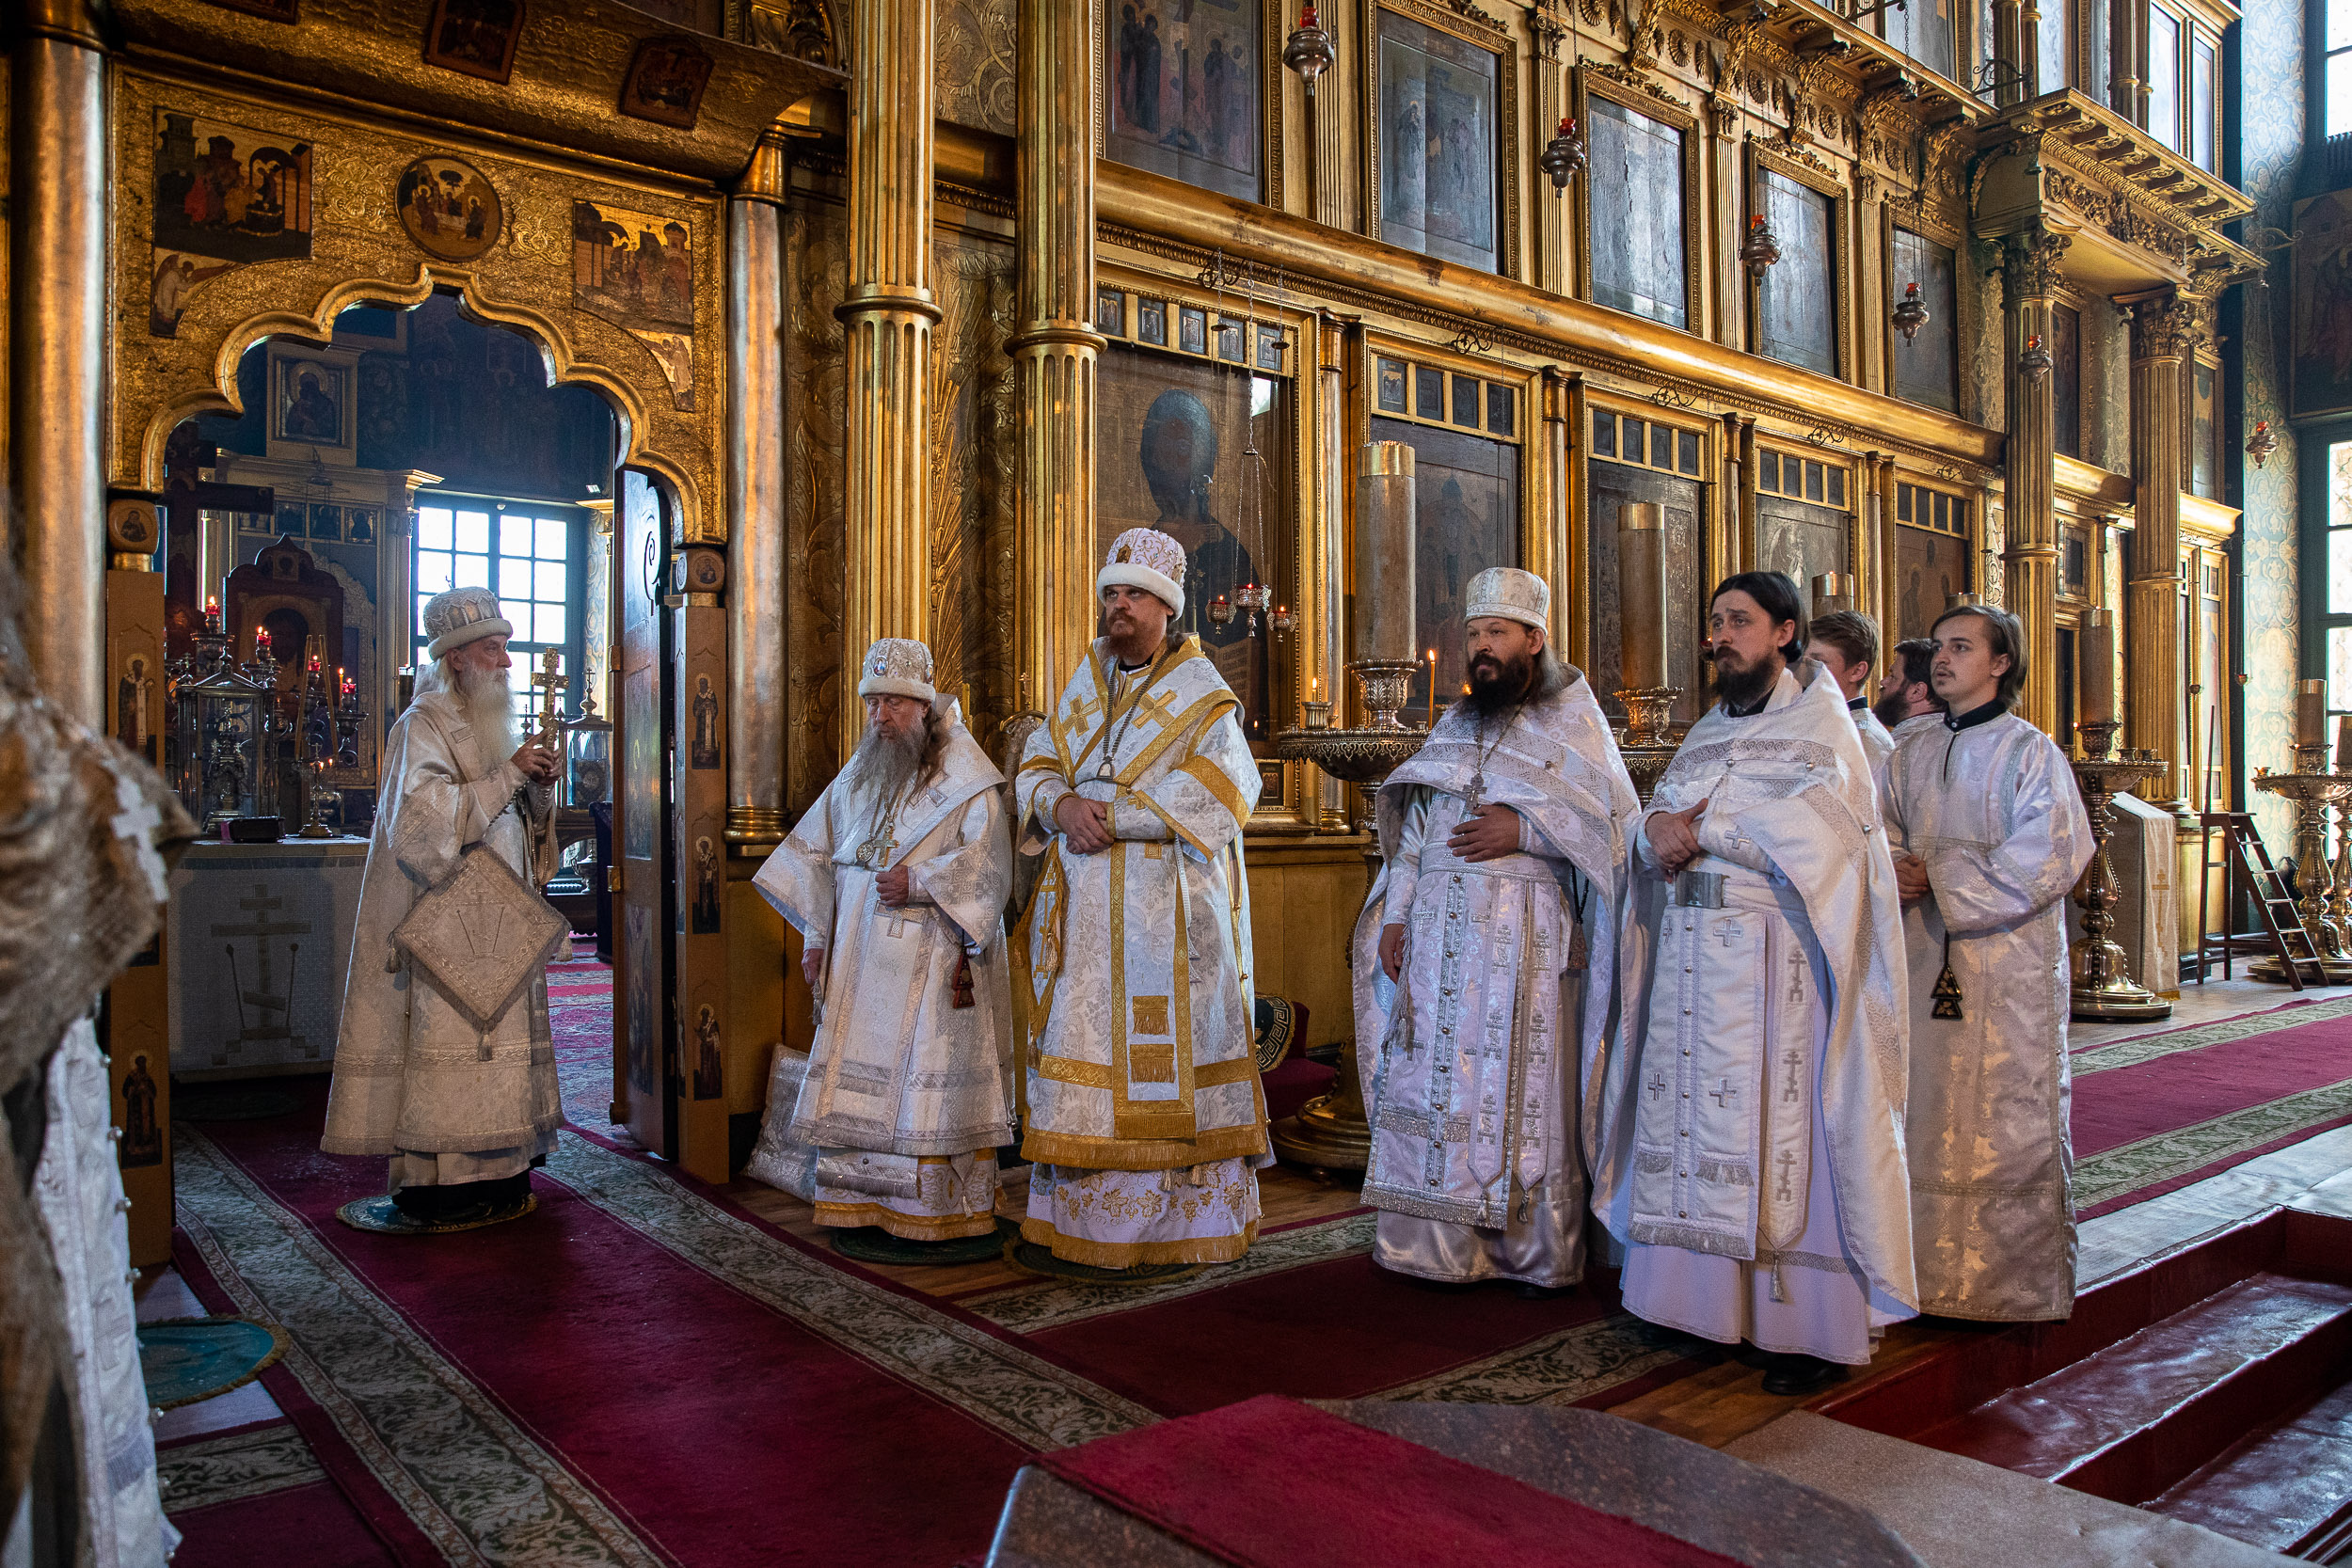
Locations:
(519, 550)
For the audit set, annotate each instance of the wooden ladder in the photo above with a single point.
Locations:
(2243, 854)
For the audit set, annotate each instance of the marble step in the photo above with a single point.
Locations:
(2287, 1488)
(2131, 1419)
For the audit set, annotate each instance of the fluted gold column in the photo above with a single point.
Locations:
(1055, 352)
(2029, 274)
(888, 313)
(2164, 332)
(755, 613)
(56, 345)
(1324, 657)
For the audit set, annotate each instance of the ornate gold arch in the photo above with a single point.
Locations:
(360, 254)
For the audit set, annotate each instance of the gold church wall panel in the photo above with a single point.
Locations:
(1202, 430)
(650, 343)
(1483, 491)
(1304, 897)
(975, 424)
(815, 479)
(1644, 111)
(1149, 217)
(1630, 451)
(974, 45)
(1440, 127)
(1194, 90)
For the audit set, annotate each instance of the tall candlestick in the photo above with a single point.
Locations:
(1832, 591)
(1432, 689)
(2311, 713)
(2095, 650)
(1642, 595)
(1385, 548)
(2344, 744)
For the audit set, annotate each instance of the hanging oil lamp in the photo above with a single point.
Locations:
(2260, 445)
(1564, 156)
(2035, 361)
(1911, 313)
(1309, 50)
(1760, 249)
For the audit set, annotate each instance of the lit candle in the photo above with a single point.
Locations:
(1314, 689)
(2097, 656)
(261, 645)
(2310, 714)
(342, 686)
(211, 614)
(1431, 657)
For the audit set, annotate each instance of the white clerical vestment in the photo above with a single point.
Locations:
(1878, 742)
(1747, 1126)
(1145, 1116)
(1994, 810)
(413, 1079)
(1509, 976)
(907, 1093)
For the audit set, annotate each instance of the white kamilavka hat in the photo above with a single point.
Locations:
(1511, 593)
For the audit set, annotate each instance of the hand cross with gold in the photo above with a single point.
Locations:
(552, 684)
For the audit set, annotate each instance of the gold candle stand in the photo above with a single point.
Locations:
(1650, 744)
(2313, 791)
(2104, 990)
(1331, 1131)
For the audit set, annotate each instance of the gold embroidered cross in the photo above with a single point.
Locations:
(1153, 708)
(1083, 712)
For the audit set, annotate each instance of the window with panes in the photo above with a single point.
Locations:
(2337, 616)
(528, 554)
(2336, 68)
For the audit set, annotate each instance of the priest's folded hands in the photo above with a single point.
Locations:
(1674, 837)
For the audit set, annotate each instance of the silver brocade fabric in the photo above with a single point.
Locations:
(1995, 812)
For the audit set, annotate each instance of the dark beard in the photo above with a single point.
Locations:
(1493, 691)
(1890, 710)
(1746, 686)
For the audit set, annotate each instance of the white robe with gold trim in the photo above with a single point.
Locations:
(1144, 1113)
(907, 1093)
(413, 1079)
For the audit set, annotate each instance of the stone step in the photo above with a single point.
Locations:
(2133, 1419)
(2287, 1488)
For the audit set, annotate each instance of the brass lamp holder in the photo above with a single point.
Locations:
(1648, 745)
(2312, 789)
(2104, 990)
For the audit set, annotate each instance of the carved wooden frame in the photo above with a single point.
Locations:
(1294, 811)
(1462, 19)
(1271, 123)
(1658, 105)
(1713, 504)
(1964, 316)
(1764, 158)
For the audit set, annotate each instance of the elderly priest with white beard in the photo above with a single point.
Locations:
(1748, 1141)
(1495, 917)
(463, 1105)
(1145, 1120)
(897, 881)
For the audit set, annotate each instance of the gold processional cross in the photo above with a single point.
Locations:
(552, 684)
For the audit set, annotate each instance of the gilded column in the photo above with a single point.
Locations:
(2164, 332)
(755, 619)
(1553, 208)
(2029, 274)
(1885, 590)
(1332, 177)
(887, 314)
(57, 345)
(1054, 354)
(1325, 660)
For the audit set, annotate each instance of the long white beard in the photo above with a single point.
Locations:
(488, 703)
(883, 766)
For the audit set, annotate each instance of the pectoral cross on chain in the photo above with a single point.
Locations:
(874, 853)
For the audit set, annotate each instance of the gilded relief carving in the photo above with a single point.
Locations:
(816, 477)
(974, 66)
(974, 445)
(360, 244)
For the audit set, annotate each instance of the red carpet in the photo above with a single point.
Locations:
(2157, 1112)
(314, 1525)
(1272, 1483)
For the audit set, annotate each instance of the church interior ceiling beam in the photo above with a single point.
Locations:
(566, 67)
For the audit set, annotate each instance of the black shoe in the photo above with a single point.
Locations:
(1795, 1374)
(1542, 1292)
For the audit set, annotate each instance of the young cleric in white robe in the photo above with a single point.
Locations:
(1145, 1116)
(1486, 959)
(1845, 642)
(1747, 1126)
(897, 881)
(463, 1114)
(1991, 834)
